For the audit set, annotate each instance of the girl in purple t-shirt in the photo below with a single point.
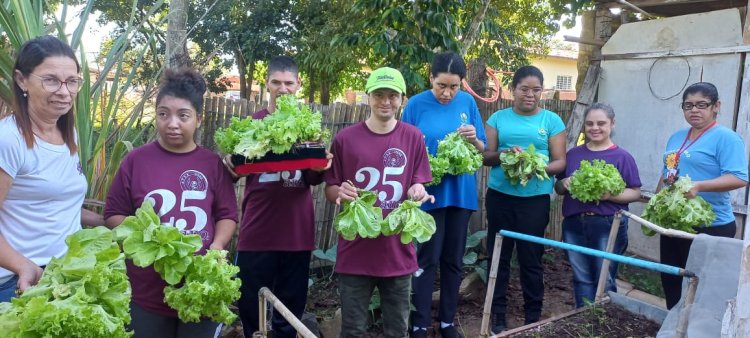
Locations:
(588, 224)
(190, 189)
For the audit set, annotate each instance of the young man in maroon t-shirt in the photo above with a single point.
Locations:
(389, 157)
(277, 229)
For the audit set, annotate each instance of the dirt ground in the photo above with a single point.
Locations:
(558, 298)
(603, 321)
(323, 301)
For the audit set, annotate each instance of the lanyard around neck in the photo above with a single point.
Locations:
(684, 147)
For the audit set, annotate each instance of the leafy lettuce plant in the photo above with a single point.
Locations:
(85, 293)
(359, 217)
(409, 221)
(146, 242)
(277, 133)
(210, 287)
(520, 167)
(594, 179)
(455, 156)
(670, 209)
(438, 167)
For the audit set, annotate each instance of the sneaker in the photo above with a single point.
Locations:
(421, 333)
(498, 324)
(450, 332)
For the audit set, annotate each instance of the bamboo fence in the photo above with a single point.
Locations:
(219, 111)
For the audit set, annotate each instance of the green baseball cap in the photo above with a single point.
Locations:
(386, 77)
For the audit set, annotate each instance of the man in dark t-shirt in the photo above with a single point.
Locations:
(387, 157)
(277, 229)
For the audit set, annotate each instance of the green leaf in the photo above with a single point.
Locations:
(593, 179)
(670, 209)
(521, 167)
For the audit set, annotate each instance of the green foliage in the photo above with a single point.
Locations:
(642, 279)
(359, 217)
(84, 294)
(438, 168)
(471, 257)
(278, 132)
(328, 70)
(406, 34)
(670, 209)
(100, 121)
(520, 167)
(411, 222)
(461, 157)
(146, 242)
(591, 181)
(210, 287)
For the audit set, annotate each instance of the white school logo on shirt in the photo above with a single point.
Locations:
(290, 179)
(394, 163)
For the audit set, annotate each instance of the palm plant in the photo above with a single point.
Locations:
(102, 132)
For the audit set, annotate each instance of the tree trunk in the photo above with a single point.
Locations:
(242, 70)
(311, 86)
(249, 76)
(471, 35)
(584, 50)
(325, 92)
(477, 76)
(177, 55)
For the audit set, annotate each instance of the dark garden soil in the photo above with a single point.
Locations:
(603, 321)
(606, 320)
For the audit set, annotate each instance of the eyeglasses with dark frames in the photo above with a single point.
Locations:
(699, 105)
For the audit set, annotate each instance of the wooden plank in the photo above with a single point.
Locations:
(677, 53)
(583, 101)
(741, 314)
(746, 30)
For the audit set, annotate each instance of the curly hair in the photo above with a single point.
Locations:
(184, 83)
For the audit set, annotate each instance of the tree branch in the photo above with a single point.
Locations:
(470, 37)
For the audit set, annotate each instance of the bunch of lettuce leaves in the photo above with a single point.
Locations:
(593, 179)
(359, 217)
(277, 133)
(85, 293)
(521, 167)
(670, 209)
(438, 167)
(455, 156)
(146, 242)
(208, 290)
(410, 221)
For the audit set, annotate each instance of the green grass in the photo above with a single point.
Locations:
(642, 279)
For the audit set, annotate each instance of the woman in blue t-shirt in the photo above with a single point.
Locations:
(437, 112)
(715, 158)
(518, 208)
(588, 223)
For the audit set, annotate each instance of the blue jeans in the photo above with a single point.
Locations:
(592, 232)
(8, 289)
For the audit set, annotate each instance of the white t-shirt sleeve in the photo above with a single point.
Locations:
(12, 150)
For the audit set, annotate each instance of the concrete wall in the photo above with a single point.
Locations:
(646, 92)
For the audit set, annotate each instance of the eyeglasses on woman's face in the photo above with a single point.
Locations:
(699, 105)
(53, 84)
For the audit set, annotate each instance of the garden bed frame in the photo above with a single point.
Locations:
(607, 256)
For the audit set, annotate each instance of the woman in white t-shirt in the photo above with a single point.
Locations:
(42, 186)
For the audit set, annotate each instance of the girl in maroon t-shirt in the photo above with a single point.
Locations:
(190, 189)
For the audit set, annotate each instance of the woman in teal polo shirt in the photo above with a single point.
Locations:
(518, 208)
